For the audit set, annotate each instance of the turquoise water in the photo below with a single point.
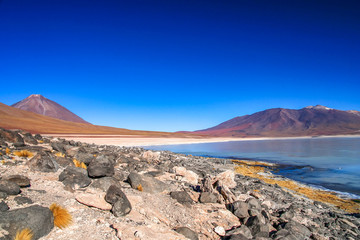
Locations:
(332, 163)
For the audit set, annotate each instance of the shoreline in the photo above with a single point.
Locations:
(135, 141)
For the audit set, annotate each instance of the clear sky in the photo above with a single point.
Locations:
(180, 64)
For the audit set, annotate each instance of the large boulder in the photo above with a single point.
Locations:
(146, 183)
(75, 177)
(38, 219)
(101, 167)
(44, 162)
(117, 198)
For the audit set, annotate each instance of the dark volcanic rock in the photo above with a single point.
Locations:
(9, 188)
(3, 206)
(38, 219)
(84, 157)
(75, 177)
(44, 162)
(28, 138)
(120, 203)
(59, 147)
(182, 197)
(3, 195)
(101, 167)
(23, 200)
(20, 180)
(19, 144)
(38, 137)
(298, 230)
(258, 226)
(187, 232)
(104, 183)
(146, 183)
(10, 136)
(242, 232)
(254, 203)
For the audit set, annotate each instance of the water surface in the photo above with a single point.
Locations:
(333, 163)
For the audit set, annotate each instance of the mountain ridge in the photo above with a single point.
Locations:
(281, 122)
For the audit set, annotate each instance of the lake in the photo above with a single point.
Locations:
(331, 163)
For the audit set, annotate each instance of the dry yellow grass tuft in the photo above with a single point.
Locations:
(314, 194)
(7, 151)
(24, 153)
(62, 218)
(140, 188)
(59, 154)
(79, 164)
(25, 234)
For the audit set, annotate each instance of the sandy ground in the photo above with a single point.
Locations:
(128, 140)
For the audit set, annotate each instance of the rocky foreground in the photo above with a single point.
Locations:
(131, 193)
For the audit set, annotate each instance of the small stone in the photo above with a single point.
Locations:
(182, 197)
(208, 197)
(220, 230)
(23, 200)
(227, 178)
(10, 188)
(146, 183)
(3, 195)
(187, 175)
(120, 203)
(240, 209)
(187, 232)
(139, 234)
(20, 180)
(151, 156)
(3, 206)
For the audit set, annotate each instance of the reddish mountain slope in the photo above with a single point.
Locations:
(14, 118)
(277, 122)
(38, 104)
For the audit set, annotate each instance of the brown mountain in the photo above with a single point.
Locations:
(14, 118)
(41, 105)
(279, 122)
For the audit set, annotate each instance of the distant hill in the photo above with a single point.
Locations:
(14, 118)
(39, 104)
(280, 122)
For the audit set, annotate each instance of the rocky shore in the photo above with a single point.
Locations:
(131, 193)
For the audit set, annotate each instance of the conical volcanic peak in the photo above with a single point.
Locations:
(39, 104)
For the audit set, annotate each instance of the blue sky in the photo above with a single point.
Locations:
(180, 65)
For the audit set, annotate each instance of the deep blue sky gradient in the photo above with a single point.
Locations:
(180, 65)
